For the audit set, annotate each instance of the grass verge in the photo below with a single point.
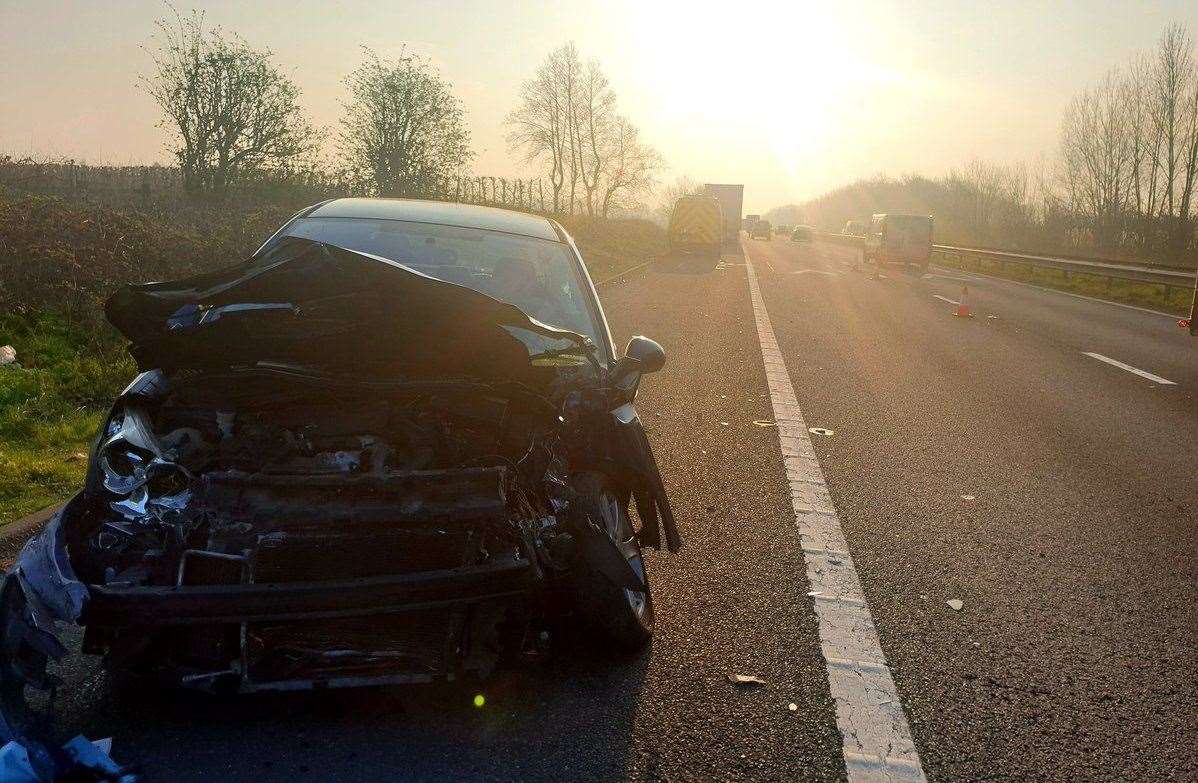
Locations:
(51, 400)
(1153, 296)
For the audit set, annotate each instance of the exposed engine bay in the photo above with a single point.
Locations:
(270, 480)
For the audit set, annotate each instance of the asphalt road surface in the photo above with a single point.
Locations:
(990, 460)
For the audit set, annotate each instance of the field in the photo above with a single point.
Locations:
(60, 260)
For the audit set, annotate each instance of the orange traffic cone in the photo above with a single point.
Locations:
(963, 305)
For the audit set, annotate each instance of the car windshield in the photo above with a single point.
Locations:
(537, 275)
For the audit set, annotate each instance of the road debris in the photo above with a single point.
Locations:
(969, 497)
(8, 354)
(76, 456)
(25, 759)
(792, 707)
(821, 431)
(956, 604)
(747, 680)
(765, 423)
(723, 424)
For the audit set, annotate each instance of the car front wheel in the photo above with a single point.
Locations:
(620, 615)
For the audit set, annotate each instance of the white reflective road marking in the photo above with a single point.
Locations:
(812, 272)
(877, 740)
(945, 299)
(1129, 368)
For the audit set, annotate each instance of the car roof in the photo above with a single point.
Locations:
(439, 212)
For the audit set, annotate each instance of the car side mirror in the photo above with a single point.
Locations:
(642, 356)
(650, 356)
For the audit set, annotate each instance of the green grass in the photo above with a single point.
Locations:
(612, 246)
(1140, 294)
(51, 404)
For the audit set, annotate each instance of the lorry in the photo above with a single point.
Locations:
(731, 198)
(696, 227)
(747, 223)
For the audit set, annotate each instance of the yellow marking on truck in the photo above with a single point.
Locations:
(696, 221)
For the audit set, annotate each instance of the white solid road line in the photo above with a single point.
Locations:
(877, 739)
(1129, 368)
(812, 272)
(945, 299)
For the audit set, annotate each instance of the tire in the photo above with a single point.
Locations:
(622, 617)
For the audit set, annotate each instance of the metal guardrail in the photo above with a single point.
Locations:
(1139, 273)
(1167, 278)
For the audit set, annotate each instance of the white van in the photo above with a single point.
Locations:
(899, 239)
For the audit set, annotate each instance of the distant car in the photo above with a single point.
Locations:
(760, 230)
(802, 234)
(899, 239)
(390, 447)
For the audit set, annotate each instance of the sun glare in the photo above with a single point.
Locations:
(792, 71)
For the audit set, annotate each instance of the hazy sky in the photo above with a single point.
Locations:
(791, 98)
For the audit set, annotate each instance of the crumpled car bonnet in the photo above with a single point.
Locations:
(310, 304)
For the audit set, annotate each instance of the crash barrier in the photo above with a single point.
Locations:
(1111, 271)
(1168, 278)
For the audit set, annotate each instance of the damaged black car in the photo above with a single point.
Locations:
(395, 445)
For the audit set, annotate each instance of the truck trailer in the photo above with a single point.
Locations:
(731, 198)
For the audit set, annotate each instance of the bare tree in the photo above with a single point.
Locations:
(599, 130)
(630, 167)
(567, 121)
(992, 199)
(229, 109)
(683, 185)
(403, 129)
(1095, 157)
(540, 126)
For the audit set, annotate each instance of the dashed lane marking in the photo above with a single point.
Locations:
(1129, 368)
(813, 272)
(877, 739)
(945, 299)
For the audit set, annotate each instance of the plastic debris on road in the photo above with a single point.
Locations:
(745, 679)
(956, 604)
(79, 760)
(723, 424)
(764, 423)
(969, 497)
(821, 431)
(8, 354)
(792, 707)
